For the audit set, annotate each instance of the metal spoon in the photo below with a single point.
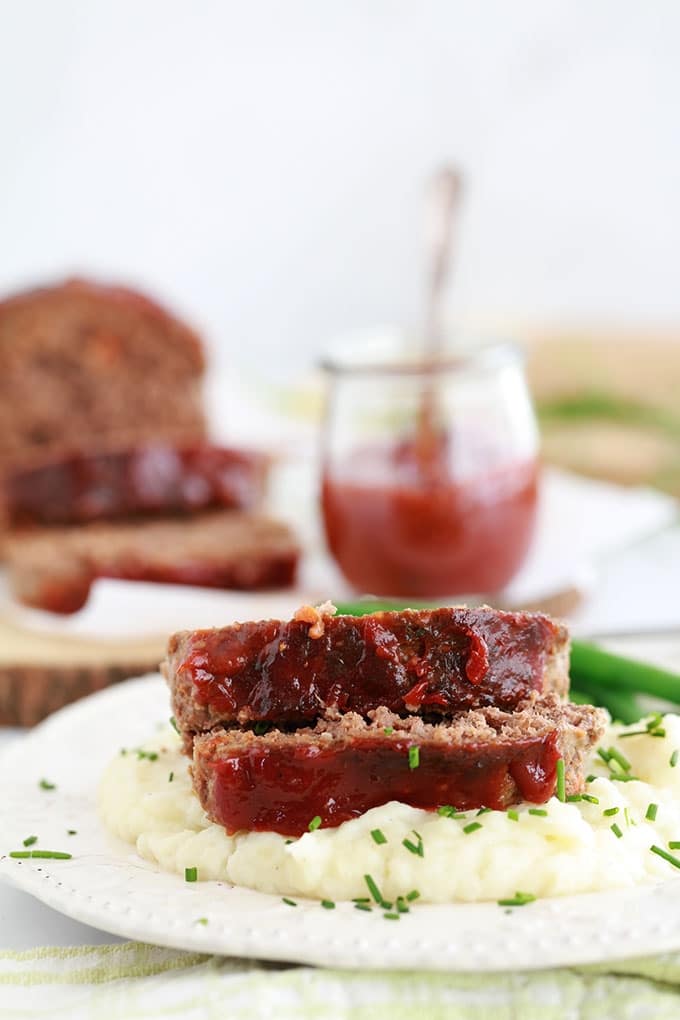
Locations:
(442, 207)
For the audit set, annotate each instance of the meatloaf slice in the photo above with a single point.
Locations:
(53, 568)
(437, 661)
(149, 478)
(344, 766)
(85, 364)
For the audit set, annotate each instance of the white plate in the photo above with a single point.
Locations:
(107, 885)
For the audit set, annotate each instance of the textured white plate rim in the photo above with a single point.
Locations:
(108, 886)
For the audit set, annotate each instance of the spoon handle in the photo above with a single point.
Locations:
(443, 202)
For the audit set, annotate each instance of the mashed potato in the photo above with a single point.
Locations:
(146, 798)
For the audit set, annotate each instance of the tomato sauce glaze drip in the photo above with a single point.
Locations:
(280, 789)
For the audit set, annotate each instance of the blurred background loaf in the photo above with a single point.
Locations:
(85, 365)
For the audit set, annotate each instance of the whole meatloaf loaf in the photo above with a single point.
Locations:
(85, 364)
(346, 765)
(53, 568)
(432, 662)
(151, 478)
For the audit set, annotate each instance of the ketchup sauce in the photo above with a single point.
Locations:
(439, 661)
(281, 788)
(427, 534)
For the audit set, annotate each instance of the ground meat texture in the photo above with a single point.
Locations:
(53, 568)
(430, 662)
(343, 767)
(86, 364)
(149, 478)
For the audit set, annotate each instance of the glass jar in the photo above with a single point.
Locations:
(429, 470)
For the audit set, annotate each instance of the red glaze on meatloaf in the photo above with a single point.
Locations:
(150, 478)
(343, 767)
(438, 662)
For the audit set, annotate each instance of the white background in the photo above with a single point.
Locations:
(261, 164)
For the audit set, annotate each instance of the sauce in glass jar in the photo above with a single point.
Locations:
(452, 515)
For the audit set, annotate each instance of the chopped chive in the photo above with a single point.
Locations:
(620, 759)
(361, 899)
(666, 856)
(561, 789)
(173, 723)
(610, 812)
(315, 823)
(520, 899)
(616, 830)
(373, 889)
(603, 754)
(260, 728)
(651, 812)
(363, 906)
(589, 798)
(483, 811)
(148, 755)
(388, 731)
(472, 827)
(391, 917)
(538, 811)
(622, 777)
(171, 777)
(290, 903)
(201, 920)
(591, 778)
(413, 757)
(328, 904)
(191, 874)
(573, 798)
(47, 855)
(288, 841)
(378, 836)
(626, 815)
(45, 784)
(674, 844)
(413, 895)
(448, 811)
(415, 848)
(402, 908)
(513, 815)
(30, 840)
(653, 728)
(71, 832)
(674, 758)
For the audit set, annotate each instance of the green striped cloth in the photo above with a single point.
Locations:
(132, 981)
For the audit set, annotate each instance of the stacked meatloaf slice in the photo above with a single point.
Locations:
(105, 467)
(327, 716)
(106, 470)
(155, 512)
